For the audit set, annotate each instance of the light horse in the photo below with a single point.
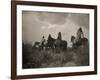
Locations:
(40, 45)
(45, 44)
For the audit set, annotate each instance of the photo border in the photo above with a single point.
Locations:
(14, 39)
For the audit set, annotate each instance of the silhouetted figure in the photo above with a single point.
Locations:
(80, 34)
(60, 45)
(50, 42)
(73, 40)
(42, 42)
(79, 40)
(49, 37)
(59, 36)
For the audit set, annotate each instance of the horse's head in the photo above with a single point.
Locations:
(50, 39)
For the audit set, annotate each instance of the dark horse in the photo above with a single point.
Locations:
(76, 43)
(82, 41)
(56, 44)
(60, 45)
(50, 43)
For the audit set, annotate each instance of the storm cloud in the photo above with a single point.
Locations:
(38, 24)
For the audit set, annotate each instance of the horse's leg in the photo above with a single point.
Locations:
(58, 49)
(44, 47)
(52, 48)
(55, 49)
(41, 48)
(65, 47)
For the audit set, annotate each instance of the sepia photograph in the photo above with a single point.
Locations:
(54, 39)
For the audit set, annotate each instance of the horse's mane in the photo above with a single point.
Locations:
(51, 38)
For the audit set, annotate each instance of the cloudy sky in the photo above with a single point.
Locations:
(38, 24)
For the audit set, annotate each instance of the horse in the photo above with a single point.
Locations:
(76, 43)
(45, 44)
(60, 45)
(50, 43)
(36, 44)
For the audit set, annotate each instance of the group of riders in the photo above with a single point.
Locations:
(43, 41)
(59, 43)
(79, 39)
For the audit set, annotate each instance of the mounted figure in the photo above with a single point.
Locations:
(79, 34)
(73, 41)
(79, 40)
(40, 45)
(43, 43)
(50, 42)
(60, 44)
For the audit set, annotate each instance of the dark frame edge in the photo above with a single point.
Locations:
(13, 40)
(51, 4)
(56, 75)
(95, 39)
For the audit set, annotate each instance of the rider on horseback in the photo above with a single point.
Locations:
(59, 36)
(80, 34)
(42, 42)
(79, 37)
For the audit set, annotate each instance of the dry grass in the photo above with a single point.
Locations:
(35, 58)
